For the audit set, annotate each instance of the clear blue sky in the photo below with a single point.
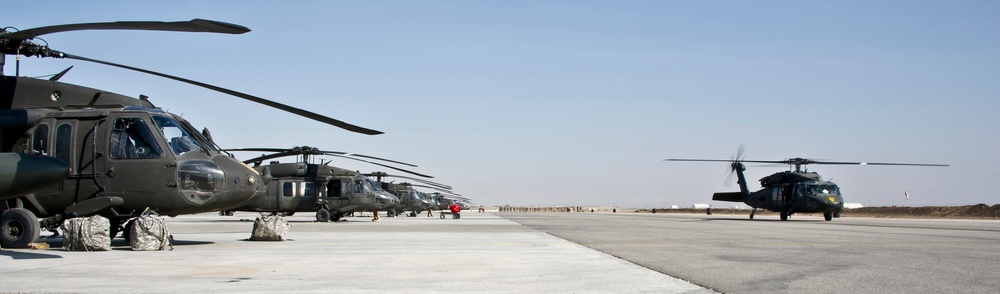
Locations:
(578, 102)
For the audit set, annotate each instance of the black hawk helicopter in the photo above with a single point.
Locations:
(409, 198)
(331, 192)
(792, 191)
(124, 155)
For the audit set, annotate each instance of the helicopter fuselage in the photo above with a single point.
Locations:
(294, 189)
(789, 192)
(120, 147)
(409, 198)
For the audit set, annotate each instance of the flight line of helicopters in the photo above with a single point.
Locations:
(73, 151)
(332, 192)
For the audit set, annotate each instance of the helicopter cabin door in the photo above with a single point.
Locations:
(336, 194)
(134, 156)
(292, 193)
(58, 138)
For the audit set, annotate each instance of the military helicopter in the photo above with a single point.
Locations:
(123, 154)
(341, 191)
(791, 191)
(409, 198)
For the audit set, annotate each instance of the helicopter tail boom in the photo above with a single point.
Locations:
(728, 196)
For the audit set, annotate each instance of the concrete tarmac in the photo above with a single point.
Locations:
(479, 253)
(733, 254)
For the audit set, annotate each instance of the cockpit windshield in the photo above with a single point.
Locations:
(823, 189)
(181, 137)
(373, 186)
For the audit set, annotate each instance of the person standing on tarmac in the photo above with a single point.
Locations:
(376, 216)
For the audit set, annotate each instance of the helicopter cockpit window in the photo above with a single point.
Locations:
(823, 189)
(40, 142)
(373, 186)
(178, 137)
(131, 139)
(358, 187)
(828, 189)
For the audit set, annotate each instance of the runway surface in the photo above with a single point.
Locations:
(479, 253)
(734, 254)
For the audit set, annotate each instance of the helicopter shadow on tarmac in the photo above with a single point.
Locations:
(758, 220)
(119, 243)
(21, 254)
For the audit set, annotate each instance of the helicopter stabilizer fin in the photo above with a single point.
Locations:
(728, 196)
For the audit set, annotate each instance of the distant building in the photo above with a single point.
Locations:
(700, 205)
(852, 205)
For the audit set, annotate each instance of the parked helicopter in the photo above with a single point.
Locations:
(792, 191)
(340, 191)
(409, 198)
(123, 154)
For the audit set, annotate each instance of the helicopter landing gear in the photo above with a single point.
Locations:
(752, 212)
(828, 216)
(18, 228)
(322, 215)
(785, 215)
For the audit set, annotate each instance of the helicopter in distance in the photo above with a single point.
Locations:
(792, 191)
(124, 155)
(331, 192)
(409, 198)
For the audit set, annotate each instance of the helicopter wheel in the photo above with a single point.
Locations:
(18, 228)
(784, 216)
(828, 216)
(323, 215)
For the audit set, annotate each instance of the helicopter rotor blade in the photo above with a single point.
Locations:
(265, 157)
(878, 163)
(194, 25)
(308, 150)
(287, 108)
(382, 165)
(435, 188)
(804, 161)
(381, 174)
(258, 149)
(333, 153)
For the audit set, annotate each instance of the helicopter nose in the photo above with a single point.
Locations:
(242, 182)
(828, 202)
